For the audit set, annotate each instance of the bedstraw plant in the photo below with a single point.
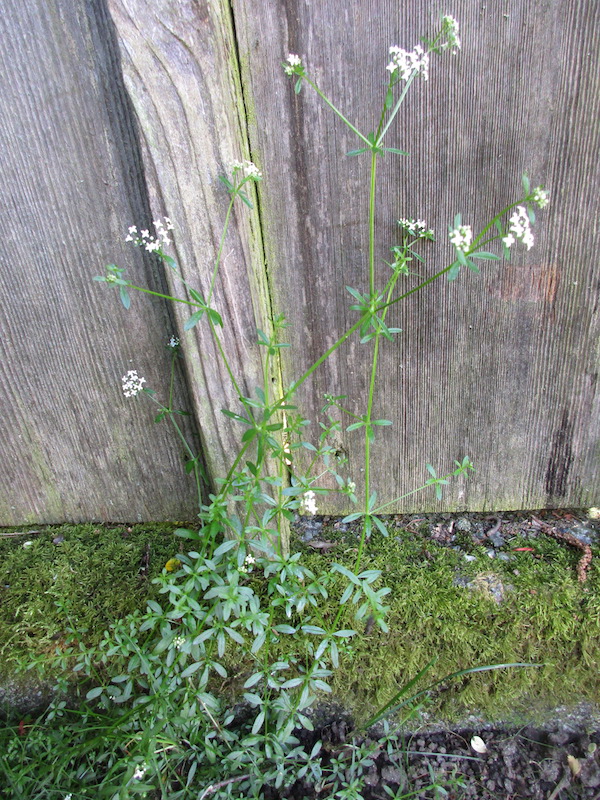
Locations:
(155, 721)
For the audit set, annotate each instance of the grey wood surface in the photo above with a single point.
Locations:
(118, 111)
(502, 366)
(72, 446)
(180, 66)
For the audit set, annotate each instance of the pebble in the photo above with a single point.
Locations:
(470, 558)
(491, 553)
(463, 524)
(497, 539)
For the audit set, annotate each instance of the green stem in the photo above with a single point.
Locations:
(396, 108)
(368, 450)
(338, 112)
(379, 509)
(165, 296)
(372, 224)
(320, 360)
(220, 250)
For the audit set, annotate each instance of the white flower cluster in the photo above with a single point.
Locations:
(416, 227)
(148, 242)
(132, 383)
(519, 229)
(249, 169)
(462, 237)
(540, 196)
(594, 513)
(248, 562)
(293, 63)
(406, 63)
(178, 642)
(450, 31)
(139, 772)
(308, 504)
(173, 342)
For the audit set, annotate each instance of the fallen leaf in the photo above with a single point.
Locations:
(478, 744)
(574, 765)
(318, 545)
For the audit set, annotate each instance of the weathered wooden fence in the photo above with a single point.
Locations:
(116, 111)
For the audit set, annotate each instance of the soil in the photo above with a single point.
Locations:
(554, 762)
(557, 760)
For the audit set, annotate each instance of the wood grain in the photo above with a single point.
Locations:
(502, 366)
(181, 72)
(72, 447)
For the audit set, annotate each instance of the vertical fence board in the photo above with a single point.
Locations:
(501, 366)
(72, 447)
(179, 62)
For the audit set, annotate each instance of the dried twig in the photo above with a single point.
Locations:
(586, 558)
(214, 786)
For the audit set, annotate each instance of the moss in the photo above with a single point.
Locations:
(92, 574)
(546, 617)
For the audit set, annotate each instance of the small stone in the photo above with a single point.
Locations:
(58, 539)
(470, 558)
(497, 539)
(505, 556)
(463, 524)
(491, 553)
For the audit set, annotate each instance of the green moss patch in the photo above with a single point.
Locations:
(86, 576)
(440, 606)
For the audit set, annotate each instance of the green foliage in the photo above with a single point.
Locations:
(234, 616)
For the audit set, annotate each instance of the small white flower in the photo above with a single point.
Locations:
(405, 63)
(68, 796)
(351, 486)
(173, 342)
(520, 228)
(178, 642)
(132, 383)
(416, 227)
(293, 64)
(508, 240)
(540, 196)
(308, 504)
(249, 169)
(139, 772)
(249, 561)
(462, 237)
(450, 30)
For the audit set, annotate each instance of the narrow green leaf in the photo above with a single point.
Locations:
(526, 184)
(193, 320)
(484, 255)
(244, 197)
(395, 150)
(215, 317)
(124, 295)
(453, 271)
(357, 152)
